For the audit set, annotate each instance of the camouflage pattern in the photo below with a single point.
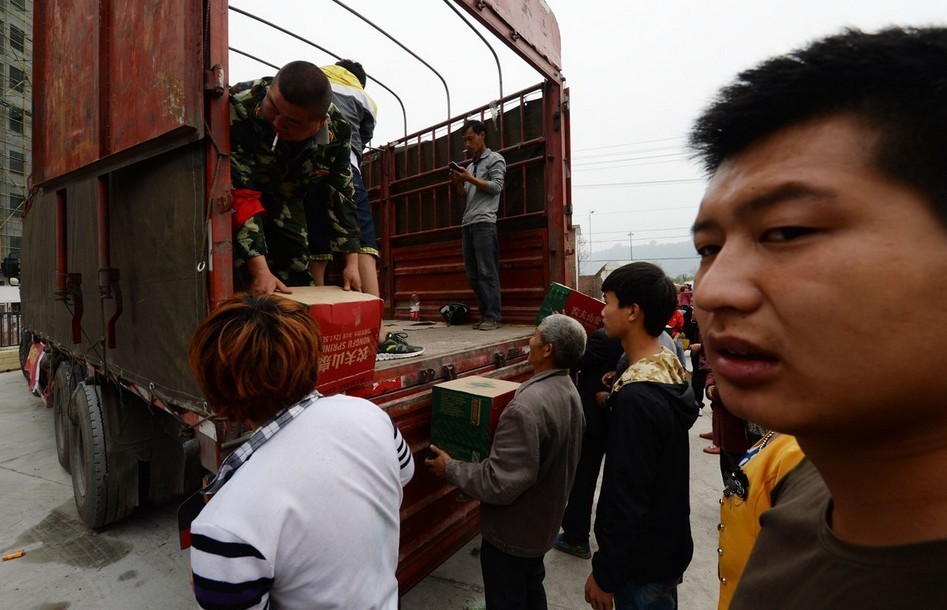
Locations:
(282, 178)
(663, 367)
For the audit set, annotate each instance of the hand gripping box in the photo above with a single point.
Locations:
(465, 413)
(562, 299)
(349, 323)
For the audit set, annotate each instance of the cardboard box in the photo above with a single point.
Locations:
(349, 323)
(465, 413)
(574, 304)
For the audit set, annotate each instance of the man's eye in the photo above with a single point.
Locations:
(779, 234)
(707, 250)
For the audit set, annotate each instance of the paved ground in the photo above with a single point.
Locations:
(137, 564)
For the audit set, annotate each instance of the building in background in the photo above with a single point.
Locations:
(16, 124)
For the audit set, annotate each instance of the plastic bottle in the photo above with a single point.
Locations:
(415, 308)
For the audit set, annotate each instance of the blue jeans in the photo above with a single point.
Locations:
(512, 583)
(649, 596)
(482, 262)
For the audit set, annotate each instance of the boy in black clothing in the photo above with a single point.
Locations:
(643, 519)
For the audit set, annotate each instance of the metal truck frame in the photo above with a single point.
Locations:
(127, 246)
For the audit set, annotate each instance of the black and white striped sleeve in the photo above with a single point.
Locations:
(405, 460)
(229, 574)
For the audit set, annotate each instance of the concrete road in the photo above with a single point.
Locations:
(137, 563)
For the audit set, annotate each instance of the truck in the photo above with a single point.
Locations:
(127, 246)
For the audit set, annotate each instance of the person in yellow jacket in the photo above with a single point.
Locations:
(745, 499)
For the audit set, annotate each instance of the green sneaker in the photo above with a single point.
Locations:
(395, 346)
(582, 551)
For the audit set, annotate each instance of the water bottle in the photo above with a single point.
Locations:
(415, 307)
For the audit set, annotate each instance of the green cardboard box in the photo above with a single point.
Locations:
(574, 304)
(465, 414)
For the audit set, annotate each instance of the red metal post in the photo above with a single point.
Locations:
(555, 179)
(217, 181)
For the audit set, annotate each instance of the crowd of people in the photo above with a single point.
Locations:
(827, 189)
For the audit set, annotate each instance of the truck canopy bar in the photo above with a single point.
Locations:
(404, 113)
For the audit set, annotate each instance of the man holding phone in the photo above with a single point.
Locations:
(481, 184)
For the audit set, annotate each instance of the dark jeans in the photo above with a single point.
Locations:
(482, 261)
(512, 583)
(577, 520)
(649, 596)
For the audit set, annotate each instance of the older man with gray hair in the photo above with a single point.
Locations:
(524, 483)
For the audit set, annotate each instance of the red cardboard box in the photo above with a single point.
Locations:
(349, 323)
(465, 413)
(574, 304)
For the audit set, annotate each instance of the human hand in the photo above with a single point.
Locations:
(262, 281)
(607, 379)
(351, 280)
(437, 464)
(598, 599)
(695, 348)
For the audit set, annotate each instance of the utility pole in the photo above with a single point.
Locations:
(631, 248)
(591, 262)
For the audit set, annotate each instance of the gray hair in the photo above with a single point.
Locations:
(567, 338)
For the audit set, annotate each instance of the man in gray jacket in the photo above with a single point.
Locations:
(524, 483)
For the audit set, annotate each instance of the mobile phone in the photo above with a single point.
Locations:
(455, 167)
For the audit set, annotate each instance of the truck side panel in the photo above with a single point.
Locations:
(158, 239)
(114, 78)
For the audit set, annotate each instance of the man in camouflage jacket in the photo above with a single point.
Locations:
(285, 135)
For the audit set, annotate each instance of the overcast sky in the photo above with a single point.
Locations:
(639, 73)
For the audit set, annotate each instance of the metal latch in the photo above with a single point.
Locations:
(450, 372)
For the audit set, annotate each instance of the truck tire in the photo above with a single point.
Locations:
(95, 486)
(26, 342)
(64, 384)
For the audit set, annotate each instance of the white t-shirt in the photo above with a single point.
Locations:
(312, 519)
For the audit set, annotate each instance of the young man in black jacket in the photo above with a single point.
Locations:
(643, 519)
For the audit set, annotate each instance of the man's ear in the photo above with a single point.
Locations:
(634, 312)
(547, 350)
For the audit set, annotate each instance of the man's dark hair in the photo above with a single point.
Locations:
(894, 80)
(355, 68)
(644, 285)
(304, 85)
(477, 127)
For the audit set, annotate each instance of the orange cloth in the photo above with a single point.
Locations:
(676, 322)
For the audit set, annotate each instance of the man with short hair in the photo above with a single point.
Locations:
(481, 184)
(347, 79)
(642, 523)
(828, 188)
(283, 137)
(524, 483)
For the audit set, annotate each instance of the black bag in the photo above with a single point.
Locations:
(455, 313)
